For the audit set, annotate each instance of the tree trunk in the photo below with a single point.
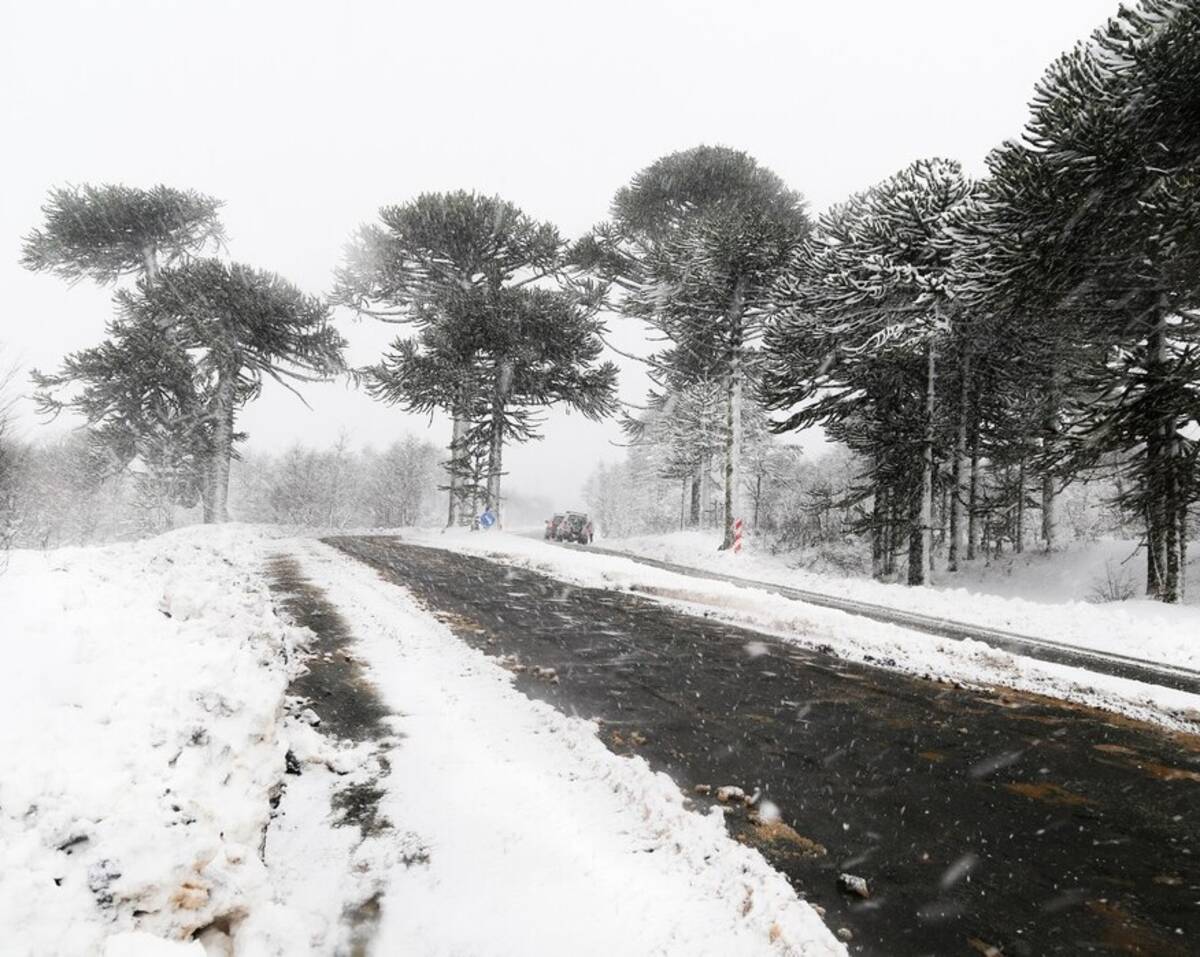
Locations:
(879, 512)
(941, 493)
(916, 537)
(477, 464)
(922, 551)
(500, 390)
(973, 496)
(1182, 518)
(1049, 513)
(757, 498)
(495, 462)
(733, 414)
(207, 497)
(694, 514)
(890, 531)
(705, 480)
(1019, 534)
(959, 476)
(733, 444)
(1159, 513)
(223, 444)
(1051, 426)
(454, 467)
(1154, 569)
(1171, 591)
(150, 262)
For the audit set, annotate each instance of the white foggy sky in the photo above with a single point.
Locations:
(306, 117)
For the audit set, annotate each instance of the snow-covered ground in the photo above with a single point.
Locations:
(144, 738)
(539, 839)
(859, 639)
(139, 739)
(1044, 596)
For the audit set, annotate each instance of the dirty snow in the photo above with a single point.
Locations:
(138, 741)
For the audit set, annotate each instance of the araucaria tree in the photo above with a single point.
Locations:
(696, 243)
(140, 397)
(1036, 328)
(107, 232)
(137, 390)
(863, 316)
(1118, 120)
(1093, 235)
(191, 342)
(238, 326)
(499, 329)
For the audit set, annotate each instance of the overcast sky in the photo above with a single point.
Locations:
(306, 117)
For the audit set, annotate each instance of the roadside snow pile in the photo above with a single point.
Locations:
(139, 742)
(518, 833)
(848, 636)
(1035, 594)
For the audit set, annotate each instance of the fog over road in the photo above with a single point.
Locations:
(979, 819)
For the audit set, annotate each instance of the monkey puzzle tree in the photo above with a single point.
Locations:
(238, 326)
(696, 241)
(1094, 254)
(438, 368)
(136, 387)
(860, 328)
(138, 393)
(461, 268)
(106, 232)
(523, 350)
(1118, 120)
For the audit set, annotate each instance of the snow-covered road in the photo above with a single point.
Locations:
(163, 791)
(231, 741)
(534, 838)
(972, 814)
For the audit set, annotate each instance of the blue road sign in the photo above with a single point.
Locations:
(487, 519)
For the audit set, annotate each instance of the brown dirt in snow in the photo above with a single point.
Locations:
(1047, 793)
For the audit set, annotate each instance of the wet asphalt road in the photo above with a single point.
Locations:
(984, 823)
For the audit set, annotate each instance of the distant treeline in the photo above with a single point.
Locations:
(60, 493)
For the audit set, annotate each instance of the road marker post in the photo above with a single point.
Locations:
(737, 536)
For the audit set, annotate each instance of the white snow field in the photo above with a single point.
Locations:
(1156, 633)
(145, 734)
(139, 740)
(1036, 594)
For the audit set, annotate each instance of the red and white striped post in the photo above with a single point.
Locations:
(737, 536)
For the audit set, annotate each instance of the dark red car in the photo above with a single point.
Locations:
(575, 527)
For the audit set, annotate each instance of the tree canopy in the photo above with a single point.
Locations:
(106, 232)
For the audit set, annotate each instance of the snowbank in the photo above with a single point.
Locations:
(1044, 596)
(138, 741)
